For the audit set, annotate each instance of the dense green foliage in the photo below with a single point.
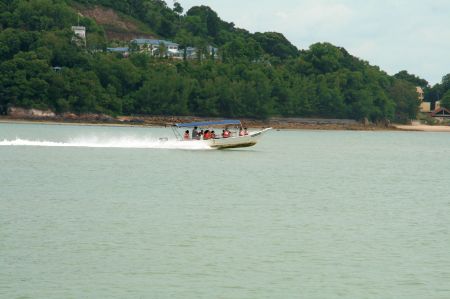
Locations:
(413, 79)
(445, 102)
(259, 75)
(440, 92)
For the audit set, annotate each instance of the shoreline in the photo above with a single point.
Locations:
(423, 128)
(275, 123)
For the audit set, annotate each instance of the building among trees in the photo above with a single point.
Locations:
(80, 35)
(441, 114)
(166, 48)
(424, 106)
(125, 51)
(156, 47)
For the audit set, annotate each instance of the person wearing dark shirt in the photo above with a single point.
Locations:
(195, 133)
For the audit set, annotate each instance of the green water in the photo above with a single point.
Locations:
(103, 212)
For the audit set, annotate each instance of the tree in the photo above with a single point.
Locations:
(208, 18)
(324, 57)
(162, 50)
(276, 44)
(195, 25)
(177, 8)
(258, 75)
(44, 15)
(405, 97)
(445, 85)
(242, 49)
(434, 94)
(23, 81)
(445, 102)
(12, 41)
(404, 75)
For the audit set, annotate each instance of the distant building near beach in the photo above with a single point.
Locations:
(441, 114)
(424, 106)
(437, 105)
(420, 93)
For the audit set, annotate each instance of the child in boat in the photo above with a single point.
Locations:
(245, 131)
(213, 135)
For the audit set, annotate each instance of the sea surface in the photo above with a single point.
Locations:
(112, 212)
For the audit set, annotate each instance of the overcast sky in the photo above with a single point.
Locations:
(396, 35)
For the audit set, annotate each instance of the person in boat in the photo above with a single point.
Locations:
(186, 135)
(195, 133)
(200, 135)
(225, 133)
(207, 135)
(245, 131)
(241, 131)
(213, 135)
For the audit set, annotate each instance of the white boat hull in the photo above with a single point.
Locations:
(236, 142)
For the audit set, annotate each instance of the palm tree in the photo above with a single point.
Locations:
(162, 50)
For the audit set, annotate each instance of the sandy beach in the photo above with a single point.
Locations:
(423, 128)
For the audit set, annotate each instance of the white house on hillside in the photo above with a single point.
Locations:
(154, 46)
(192, 52)
(171, 49)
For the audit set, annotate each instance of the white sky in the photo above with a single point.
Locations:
(396, 35)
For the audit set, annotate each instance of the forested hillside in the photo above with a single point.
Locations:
(258, 75)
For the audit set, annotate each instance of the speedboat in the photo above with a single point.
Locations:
(234, 139)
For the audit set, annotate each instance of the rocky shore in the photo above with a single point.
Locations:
(34, 115)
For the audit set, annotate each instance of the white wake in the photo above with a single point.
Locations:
(111, 142)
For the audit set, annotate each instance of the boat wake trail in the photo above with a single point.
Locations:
(111, 142)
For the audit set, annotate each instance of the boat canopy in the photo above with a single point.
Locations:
(209, 123)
